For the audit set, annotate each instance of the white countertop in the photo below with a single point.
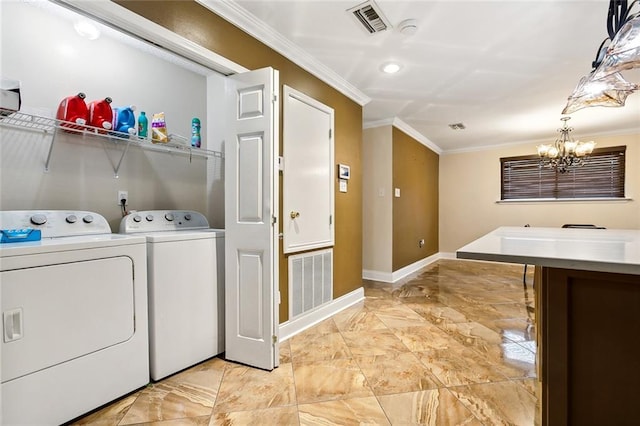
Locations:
(605, 250)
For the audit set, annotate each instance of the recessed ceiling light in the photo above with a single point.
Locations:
(87, 29)
(391, 68)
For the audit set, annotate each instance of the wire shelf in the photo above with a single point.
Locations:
(176, 144)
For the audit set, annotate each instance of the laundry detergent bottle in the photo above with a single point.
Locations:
(124, 120)
(196, 139)
(143, 124)
(73, 109)
(101, 114)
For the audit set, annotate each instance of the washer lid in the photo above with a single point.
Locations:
(195, 234)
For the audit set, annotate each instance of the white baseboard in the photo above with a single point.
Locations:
(292, 327)
(385, 277)
(392, 277)
(447, 255)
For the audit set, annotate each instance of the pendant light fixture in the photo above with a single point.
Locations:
(604, 85)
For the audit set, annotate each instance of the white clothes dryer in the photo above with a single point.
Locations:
(185, 261)
(74, 308)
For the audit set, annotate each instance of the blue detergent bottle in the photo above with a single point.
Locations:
(125, 120)
(196, 140)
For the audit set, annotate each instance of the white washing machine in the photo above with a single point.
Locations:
(185, 261)
(74, 311)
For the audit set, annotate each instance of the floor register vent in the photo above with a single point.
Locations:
(370, 16)
(310, 281)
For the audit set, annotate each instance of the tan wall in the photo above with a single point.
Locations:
(470, 187)
(198, 24)
(377, 196)
(415, 212)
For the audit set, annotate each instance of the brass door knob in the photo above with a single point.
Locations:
(294, 215)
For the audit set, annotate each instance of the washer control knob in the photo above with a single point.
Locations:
(187, 216)
(72, 218)
(149, 218)
(169, 217)
(87, 219)
(137, 218)
(38, 219)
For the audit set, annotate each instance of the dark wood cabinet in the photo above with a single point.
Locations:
(589, 347)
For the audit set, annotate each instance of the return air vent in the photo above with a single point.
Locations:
(310, 281)
(370, 16)
(457, 126)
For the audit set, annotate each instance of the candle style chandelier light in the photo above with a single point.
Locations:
(564, 153)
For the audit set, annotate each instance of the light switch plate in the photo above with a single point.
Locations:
(397, 192)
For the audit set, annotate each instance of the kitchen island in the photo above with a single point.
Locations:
(587, 317)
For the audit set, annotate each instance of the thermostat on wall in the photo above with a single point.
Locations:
(344, 171)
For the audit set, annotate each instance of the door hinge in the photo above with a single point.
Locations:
(329, 133)
(275, 339)
(274, 220)
(330, 219)
(275, 97)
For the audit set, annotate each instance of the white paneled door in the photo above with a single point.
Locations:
(251, 211)
(308, 183)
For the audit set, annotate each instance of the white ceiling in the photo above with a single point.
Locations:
(503, 68)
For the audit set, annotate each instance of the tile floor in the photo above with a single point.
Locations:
(454, 344)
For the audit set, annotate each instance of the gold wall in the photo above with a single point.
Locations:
(198, 24)
(415, 212)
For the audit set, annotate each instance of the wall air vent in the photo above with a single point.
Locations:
(457, 126)
(370, 16)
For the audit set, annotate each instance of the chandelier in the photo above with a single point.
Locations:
(604, 85)
(564, 153)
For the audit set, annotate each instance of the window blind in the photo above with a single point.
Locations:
(601, 176)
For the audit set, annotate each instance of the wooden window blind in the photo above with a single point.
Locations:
(601, 176)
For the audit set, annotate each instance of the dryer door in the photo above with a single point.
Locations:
(56, 313)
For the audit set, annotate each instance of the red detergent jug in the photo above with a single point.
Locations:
(73, 109)
(101, 114)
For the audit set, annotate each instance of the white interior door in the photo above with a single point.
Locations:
(251, 210)
(308, 174)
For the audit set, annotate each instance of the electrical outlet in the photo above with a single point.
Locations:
(421, 243)
(123, 195)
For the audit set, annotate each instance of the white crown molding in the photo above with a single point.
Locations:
(401, 125)
(241, 18)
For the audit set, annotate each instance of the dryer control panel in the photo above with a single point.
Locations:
(56, 223)
(162, 220)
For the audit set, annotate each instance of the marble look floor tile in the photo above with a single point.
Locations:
(353, 411)
(110, 415)
(438, 313)
(310, 347)
(374, 342)
(430, 407)
(512, 360)
(357, 319)
(515, 330)
(189, 421)
(459, 365)
(504, 403)
(167, 401)
(396, 373)
(270, 416)
(374, 303)
(329, 380)
(424, 338)
(285, 351)
(327, 326)
(473, 334)
(399, 316)
(245, 388)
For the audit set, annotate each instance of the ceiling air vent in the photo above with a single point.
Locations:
(458, 126)
(371, 17)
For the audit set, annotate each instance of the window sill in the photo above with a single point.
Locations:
(564, 200)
